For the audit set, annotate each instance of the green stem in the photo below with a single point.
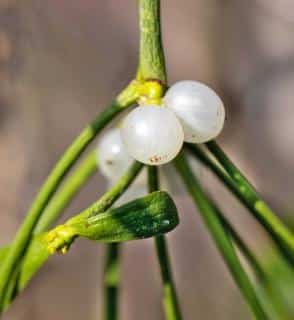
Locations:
(141, 218)
(108, 198)
(170, 299)
(151, 56)
(151, 66)
(255, 265)
(270, 305)
(71, 155)
(111, 282)
(220, 236)
(67, 191)
(83, 224)
(246, 193)
(60, 200)
(11, 291)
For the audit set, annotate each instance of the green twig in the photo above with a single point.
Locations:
(88, 224)
(281, 234)
(111, 282)
(142, 218)
(220, 236)
(170, 299)
(11, 291)
(71, 155)
(55, 207)
(245, 192)
(112, 194)
(265, 288)
(67, 191)
(151, 66)
(196, 151)
(151, 56)
(253, 262)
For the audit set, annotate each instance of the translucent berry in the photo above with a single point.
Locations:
(199, 108)
(152, 134)
(112, 156)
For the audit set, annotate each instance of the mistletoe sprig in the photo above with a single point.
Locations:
(165, 126)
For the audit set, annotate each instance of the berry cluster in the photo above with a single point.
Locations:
(154, 134)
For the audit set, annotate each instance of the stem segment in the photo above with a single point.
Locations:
(53, 181)
(264, 284)
(239, 185)
(151, 56)
(170, 299)
(111, 282)
(220, 236)
(67, 191)
(152, 66)
(79, 225)
(55, 207)
(255, 265)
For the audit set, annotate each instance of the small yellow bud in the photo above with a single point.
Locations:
(151, 92)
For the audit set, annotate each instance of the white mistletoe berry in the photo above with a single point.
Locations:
(198, 107)
(112, 156)
(152, 134)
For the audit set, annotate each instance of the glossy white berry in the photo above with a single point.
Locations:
(152, 134)
(112, 156)
(199, 108)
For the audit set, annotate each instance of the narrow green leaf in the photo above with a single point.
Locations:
(142, 218)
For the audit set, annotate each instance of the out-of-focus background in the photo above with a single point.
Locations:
(61, 61)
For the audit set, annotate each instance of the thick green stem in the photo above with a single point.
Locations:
(170, 299)
(246, 193)
(220, 236)
(71, 155)
(151, 57)
(111, 282)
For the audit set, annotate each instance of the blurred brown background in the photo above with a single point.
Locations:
(61, 61)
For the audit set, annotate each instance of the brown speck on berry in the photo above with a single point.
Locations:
(155, 159)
